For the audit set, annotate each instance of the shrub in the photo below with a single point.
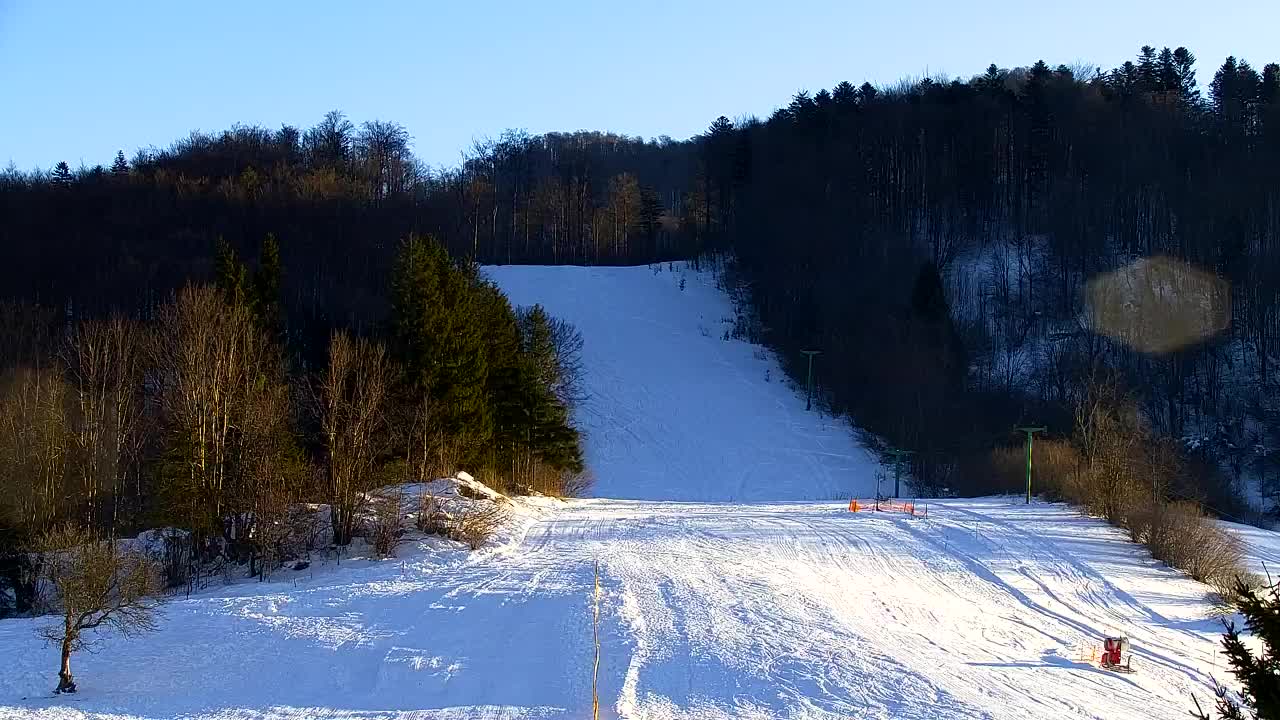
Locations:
(1183, 537)
(475, 525)
(431, 518)
(1055, 464)
(386, 532)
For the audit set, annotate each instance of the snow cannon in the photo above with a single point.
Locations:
(1115, 654)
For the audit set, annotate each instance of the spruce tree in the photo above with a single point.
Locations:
(1184, 66)
(62, 174)
(551, 434)
(266, 288)
(1259, 675)
(1148, 72)
(463, 383)
(230, 275)
(120, 166)
(438, 334)
(844, 94)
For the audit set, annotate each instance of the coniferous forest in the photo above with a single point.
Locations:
(201, 334)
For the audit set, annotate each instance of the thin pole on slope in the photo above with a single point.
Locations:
(1031, 434)
(897, 468)
(595, 671)
(808, 400)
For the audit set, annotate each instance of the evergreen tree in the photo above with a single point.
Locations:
(932, 330)
(991, 81)
(1259, 675)
(1184, 67)
(1234, 95)
(928, 298)
(120, 166)
(438, 330)
(551, 434)
(1167, 72)
(844, 94)
(61, 174)
(230, 275)
(505, 370)
(266, 288)
(1269, 90)
(1148, 73)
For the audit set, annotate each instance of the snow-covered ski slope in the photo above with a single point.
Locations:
(726, 589)
(676, 412)
(709, 610)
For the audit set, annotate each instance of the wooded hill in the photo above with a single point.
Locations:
(935, 239)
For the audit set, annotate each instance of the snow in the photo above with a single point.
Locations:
(675, 411)
(733, 583)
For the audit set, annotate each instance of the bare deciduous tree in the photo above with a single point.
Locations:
(210, 361)
(34, 444)
(98, 583)
(105, 362)
(351, 400)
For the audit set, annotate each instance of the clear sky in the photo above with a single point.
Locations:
(79, 80)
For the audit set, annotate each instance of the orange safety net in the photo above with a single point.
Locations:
(908, 508)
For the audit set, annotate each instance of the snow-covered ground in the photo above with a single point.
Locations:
(729, 587)
(675, 411)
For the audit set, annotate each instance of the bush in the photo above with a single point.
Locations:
(1055, 466)
(475, 525)
(1183, 537)
(431, 518)
(386, 532)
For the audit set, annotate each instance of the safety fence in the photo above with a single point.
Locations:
(887, 505)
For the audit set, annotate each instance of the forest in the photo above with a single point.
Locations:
(939, 240)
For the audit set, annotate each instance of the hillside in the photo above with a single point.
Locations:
(674, 410)
(734, 582)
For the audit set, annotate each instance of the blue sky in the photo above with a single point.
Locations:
(80, 80)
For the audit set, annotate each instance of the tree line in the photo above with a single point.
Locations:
(939, 241)
(936, 239)
(198, 418)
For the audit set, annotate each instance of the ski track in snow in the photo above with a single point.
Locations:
(731, 585)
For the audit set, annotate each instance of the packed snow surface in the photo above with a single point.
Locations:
(725, 589)
(676, 412)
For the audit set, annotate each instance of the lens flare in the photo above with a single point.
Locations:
(1157, 305)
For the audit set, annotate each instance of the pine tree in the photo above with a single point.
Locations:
(1148, 73)
(1184, 66)
(438, 332)
(266, 288)
(61, 174)
(932, 328)
(1259, 675)
(1234, 95)
(844, 94)
(504, 377)
(991, 81)
(867, 94)
(551, 434)
(1269, 90)
(231, 277)
(417, 288)
(120, 166)
(1166, 72)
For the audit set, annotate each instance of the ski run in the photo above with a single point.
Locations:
(731, 579)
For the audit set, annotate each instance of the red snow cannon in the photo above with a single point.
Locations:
(1115, 654)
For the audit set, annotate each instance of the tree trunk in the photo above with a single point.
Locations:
(66, 683)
